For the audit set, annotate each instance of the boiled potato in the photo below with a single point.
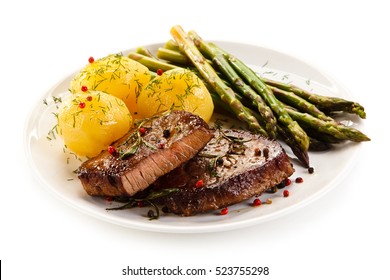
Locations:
(114, 74)
(177, 89)
(89, 123)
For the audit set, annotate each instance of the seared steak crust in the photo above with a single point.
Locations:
(234, 166)
(142, 156)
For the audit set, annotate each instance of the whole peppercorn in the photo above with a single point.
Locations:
(142, 130)
(224, 211)
(111, 150)
(282, 184)
(199, 183)
(166, 133)
(299, 180)
(256, 202)
(219, 161)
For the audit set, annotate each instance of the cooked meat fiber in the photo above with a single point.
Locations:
(144, 154)
(234, 166)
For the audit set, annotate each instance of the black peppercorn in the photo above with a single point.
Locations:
(219, 161)
(282, 184)
(166, 133)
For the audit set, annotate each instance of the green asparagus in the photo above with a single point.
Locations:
(324, 103)
(150, 62)
(337, 130)
(172, 45)
(297, 102)
(145, 52)
(170, 55)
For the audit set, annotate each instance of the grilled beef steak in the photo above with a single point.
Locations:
(234, 166)
(150, 150)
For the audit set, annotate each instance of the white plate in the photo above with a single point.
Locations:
(54, 167)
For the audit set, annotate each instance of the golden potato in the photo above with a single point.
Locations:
(178, 89)
(114, 74)
(89, 123)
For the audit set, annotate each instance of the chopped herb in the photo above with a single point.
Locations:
(57, 99)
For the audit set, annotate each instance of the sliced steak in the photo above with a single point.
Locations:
(234, 166)
(152, 149)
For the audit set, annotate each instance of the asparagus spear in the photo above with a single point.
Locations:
(295, 145)
(322, 137)
(144, 51)
(211, 77)
(299, 103)
(171, 55)
(172, 45)
(337, 130)
(277, 107)
(324, 103)
(150, 62)
(219, 59)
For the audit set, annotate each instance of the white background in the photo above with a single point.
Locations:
(342, 235)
